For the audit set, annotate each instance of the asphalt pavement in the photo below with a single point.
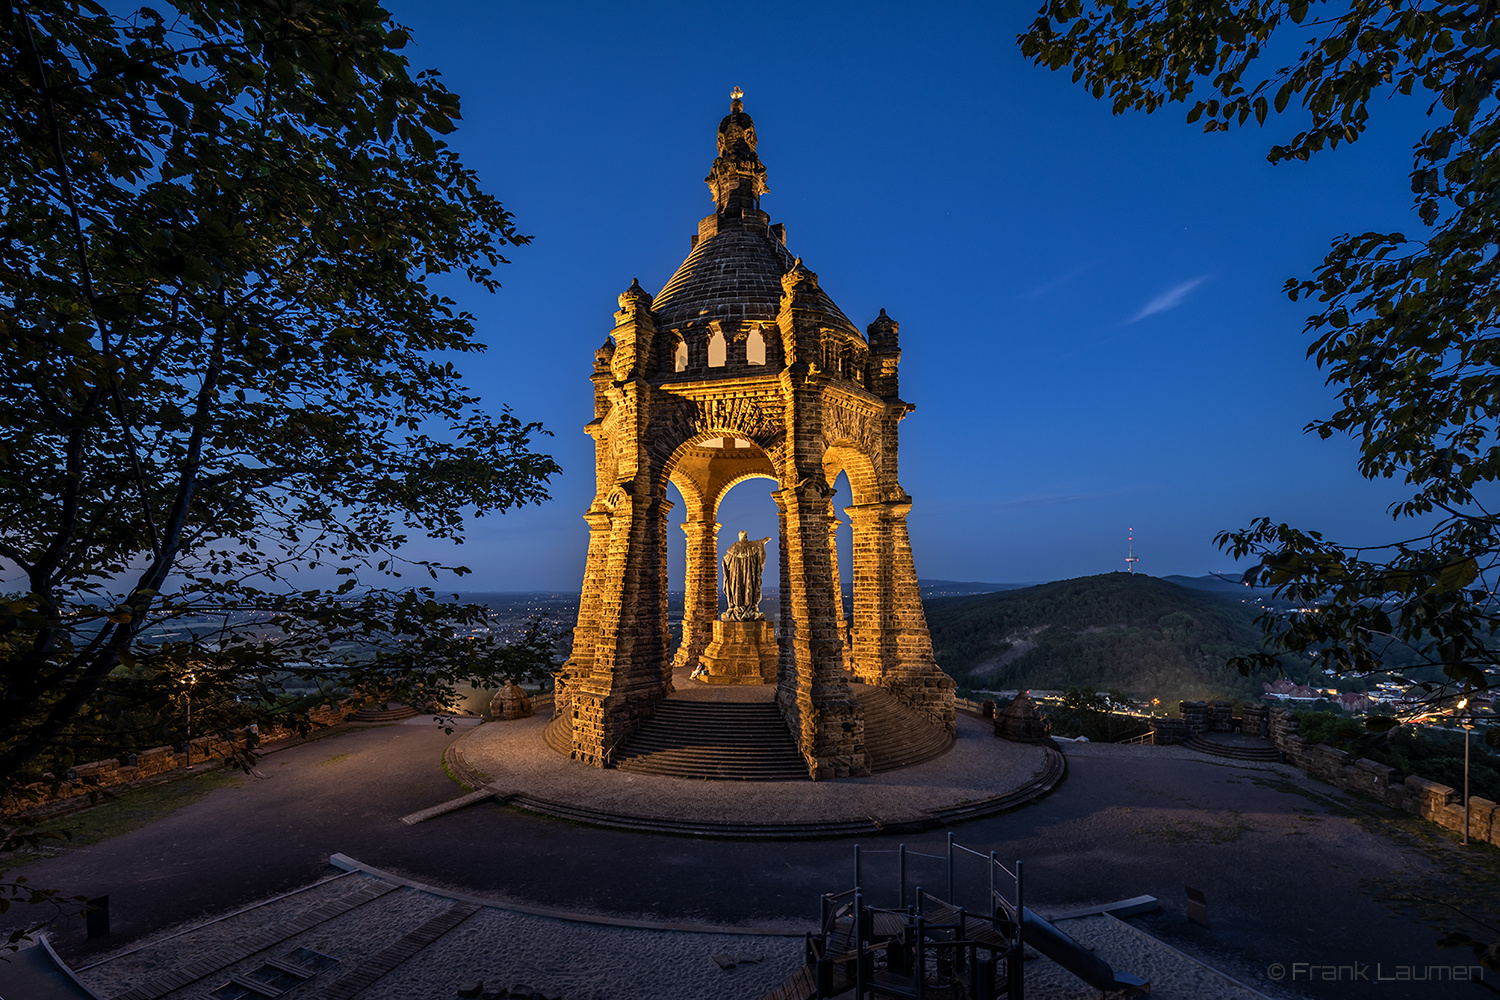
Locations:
(1299, 878)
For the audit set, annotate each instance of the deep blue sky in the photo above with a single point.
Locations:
(1093, 328)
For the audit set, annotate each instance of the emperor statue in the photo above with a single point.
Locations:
(744, 563)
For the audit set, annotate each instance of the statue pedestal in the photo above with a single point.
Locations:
(741, 653)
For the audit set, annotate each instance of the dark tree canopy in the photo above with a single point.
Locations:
(1407, 326)
(225, 365)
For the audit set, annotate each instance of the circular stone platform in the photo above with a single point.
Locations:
(981, 775)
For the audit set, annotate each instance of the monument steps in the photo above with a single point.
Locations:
(1235, 751)
(697, 739)
(388, 712)
(895, 735)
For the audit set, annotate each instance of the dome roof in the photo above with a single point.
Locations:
(734, 273)
(733, 276)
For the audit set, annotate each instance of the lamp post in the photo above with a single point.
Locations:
(1462, 705)
(188, 717)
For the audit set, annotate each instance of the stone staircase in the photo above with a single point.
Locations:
(734, 741)
(1234, 747)
(389, 711)
(896, 736)
(748, 741)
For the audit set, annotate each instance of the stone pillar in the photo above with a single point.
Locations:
(664, 615)
(625, 680)
(786, 663)
(700, 602)
(820, 709)
(917, 679)
(873, 643)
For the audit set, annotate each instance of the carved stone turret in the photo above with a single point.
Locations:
(882, 369)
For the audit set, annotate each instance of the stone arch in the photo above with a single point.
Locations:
(849, 458)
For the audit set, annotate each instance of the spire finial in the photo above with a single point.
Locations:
(738, 178)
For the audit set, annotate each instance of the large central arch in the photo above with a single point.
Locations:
(742, 367)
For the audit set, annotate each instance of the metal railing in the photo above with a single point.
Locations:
(847, 919)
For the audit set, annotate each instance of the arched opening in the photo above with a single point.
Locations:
(679, 357)
(675, 559)
(755, 347)
(704, 471)
(843, 545)
(747, 506)
(863, 549)
(717, 352)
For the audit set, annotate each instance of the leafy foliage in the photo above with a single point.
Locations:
(1146, 637)
(1406, 326)
(1102, 718)
(225, 365)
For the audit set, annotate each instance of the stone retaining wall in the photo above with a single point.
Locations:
(113, 773)
(1427, 799)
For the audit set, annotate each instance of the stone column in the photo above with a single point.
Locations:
(700, 603)
(786, 670)
(664, 627)
(918, 681)
(823, 713)
(874, 650)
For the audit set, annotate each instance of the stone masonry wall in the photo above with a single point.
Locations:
(1427, 799)
(114, 773)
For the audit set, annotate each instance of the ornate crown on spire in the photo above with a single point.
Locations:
(738, 178)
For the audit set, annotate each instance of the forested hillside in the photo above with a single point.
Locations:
(1145, 637)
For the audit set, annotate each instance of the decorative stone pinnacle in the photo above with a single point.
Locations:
(635, 297)
(737, 178)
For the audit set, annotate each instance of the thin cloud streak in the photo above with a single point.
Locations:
(1053, 285)
(1170, 299)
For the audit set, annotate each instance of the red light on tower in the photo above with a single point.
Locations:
(1130, 557)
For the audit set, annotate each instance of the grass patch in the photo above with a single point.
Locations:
(130, 810)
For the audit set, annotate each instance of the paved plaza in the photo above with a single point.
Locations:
(1298, 876)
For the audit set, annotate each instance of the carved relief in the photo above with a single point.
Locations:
(844, 422)
(752, 418)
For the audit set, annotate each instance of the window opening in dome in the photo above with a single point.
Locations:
(717, 352)
(755, 348)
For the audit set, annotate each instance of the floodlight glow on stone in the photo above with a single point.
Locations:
(736, 94)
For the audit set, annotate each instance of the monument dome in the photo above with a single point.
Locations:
(733, 274)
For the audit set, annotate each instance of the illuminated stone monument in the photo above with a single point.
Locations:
(740, 368)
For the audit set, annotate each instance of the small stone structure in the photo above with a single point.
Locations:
(1168, 731)
(742, 367)
(510, 702)
(1023, 721)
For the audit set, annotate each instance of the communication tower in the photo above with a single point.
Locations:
(1130, 557)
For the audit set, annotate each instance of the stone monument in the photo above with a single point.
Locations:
(742, 367)
(743, 649)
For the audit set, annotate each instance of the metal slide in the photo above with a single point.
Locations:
(1074, 957)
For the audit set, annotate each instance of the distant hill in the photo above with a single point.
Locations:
(1212, 583)
(1144, 636)
(955, 588)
